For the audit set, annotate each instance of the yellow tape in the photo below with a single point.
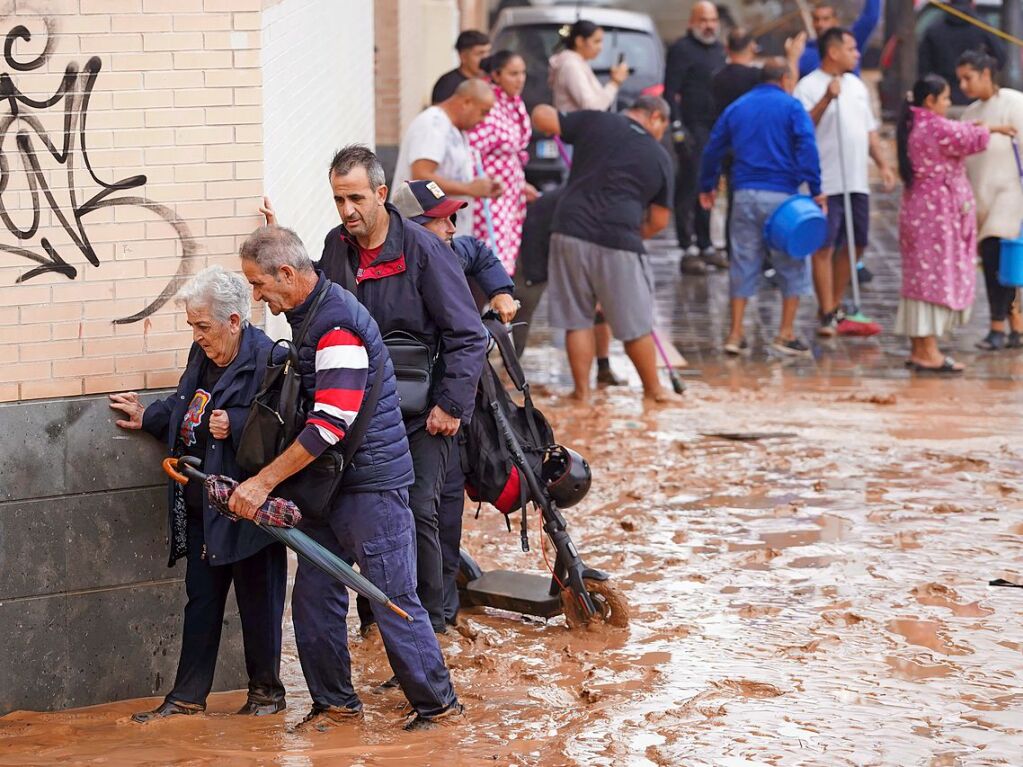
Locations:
(977, 23)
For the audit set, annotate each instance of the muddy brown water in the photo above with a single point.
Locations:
(819, 599)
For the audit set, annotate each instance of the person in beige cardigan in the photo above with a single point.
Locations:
(573, 82)
(996, 183)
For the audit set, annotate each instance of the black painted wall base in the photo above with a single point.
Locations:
(89, 610)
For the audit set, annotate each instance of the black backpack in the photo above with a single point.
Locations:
(495, 472)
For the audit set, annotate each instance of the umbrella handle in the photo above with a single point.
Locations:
(170, 466)
(183, 469)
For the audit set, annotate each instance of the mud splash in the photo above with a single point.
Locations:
(814, 600)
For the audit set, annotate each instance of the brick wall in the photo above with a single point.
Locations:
(163, 165)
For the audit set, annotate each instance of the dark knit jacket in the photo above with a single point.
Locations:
(383, 461)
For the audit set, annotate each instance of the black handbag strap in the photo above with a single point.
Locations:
(320, 295)
(502, 338)
(360, 425)
(348, 278)
(499, 332)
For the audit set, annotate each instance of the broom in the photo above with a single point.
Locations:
(850, 231)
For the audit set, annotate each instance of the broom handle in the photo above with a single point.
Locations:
(488, 214)
(850, 230)
(1019, 166)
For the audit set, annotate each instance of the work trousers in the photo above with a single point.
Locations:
(999, 297)
(691, 220)
(376, 530)
(259, 587)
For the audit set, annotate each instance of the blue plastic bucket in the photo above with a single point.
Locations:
(797, 227)
(1010, 263)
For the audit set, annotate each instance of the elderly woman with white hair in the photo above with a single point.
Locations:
(204, 418)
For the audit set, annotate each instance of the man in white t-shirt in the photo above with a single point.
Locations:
(436, 149)
(837, 100)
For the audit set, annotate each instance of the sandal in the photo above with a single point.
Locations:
(948, 365)
(994, 341)
(734, 349)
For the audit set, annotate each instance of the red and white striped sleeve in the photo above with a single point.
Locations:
(342, 369)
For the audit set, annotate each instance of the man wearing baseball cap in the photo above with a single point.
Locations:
(424, 203)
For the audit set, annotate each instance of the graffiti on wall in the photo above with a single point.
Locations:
(21, 126)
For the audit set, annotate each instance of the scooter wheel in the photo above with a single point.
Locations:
(612, 607)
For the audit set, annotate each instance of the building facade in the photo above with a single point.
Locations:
(137, 139)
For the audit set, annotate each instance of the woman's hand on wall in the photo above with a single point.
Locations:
(129, 404)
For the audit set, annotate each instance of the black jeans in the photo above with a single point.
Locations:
(259, 586)
(999, 297)
(691, 220)
(452, 503)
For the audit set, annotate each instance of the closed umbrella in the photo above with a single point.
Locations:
(278, 516)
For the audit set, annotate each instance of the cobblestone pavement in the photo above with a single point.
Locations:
(693, 313)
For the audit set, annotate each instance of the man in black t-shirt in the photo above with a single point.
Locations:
(738, 75)
(691, 62)
(733, 80)
(473, 46)
(619, 192)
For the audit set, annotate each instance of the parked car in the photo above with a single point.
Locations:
(533, 32)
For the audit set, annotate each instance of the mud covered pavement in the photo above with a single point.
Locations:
(819, 598)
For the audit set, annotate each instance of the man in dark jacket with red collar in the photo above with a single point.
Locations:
(410, 282)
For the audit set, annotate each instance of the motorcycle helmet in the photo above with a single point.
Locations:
(566, 475)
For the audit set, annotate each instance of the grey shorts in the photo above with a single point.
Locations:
(583, 274)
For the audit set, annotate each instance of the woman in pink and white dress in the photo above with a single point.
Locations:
(502, 140)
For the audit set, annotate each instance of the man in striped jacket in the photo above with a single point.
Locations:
(370, 521)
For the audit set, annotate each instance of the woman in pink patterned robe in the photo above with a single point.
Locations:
(502, 140)
(937, 223)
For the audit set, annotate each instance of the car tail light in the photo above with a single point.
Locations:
(653, 90)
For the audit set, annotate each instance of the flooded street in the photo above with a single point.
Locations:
(815, 597)
(805, 546)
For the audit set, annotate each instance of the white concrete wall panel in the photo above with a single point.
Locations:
(317, 59)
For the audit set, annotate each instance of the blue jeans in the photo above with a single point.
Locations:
(377, 531)
(750, 210)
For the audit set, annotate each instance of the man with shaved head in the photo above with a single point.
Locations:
(692, 62)
(772, 140)
(435, 148)
(825, 17)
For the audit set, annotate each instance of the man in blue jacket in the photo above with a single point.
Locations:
(339, 358)
(423, 203)
(775, 151)
(825, 17)
(412, 283)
